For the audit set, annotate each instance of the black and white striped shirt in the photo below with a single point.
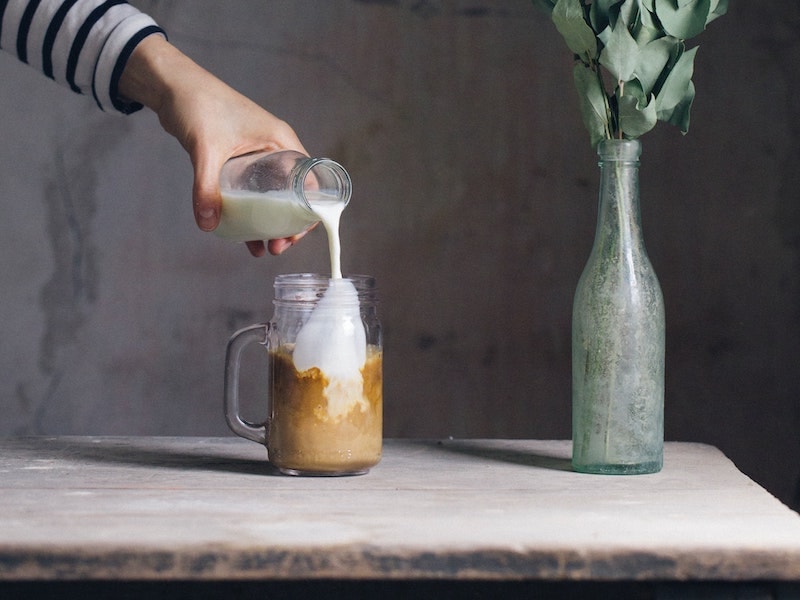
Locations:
(83, 44)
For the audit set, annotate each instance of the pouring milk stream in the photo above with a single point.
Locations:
(333, 338)
(266, 198)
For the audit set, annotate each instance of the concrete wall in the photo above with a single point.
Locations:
(474, 206)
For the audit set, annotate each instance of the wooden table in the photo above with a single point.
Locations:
(212, 509)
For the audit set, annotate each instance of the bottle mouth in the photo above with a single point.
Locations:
(621, 150)
(322, 179)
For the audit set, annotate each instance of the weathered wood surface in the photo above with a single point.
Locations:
(200, 508)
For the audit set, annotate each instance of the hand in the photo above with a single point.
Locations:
(212, 122)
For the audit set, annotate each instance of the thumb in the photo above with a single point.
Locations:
(206, 193)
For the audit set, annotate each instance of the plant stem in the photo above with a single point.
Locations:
(624, 242)
(609, 117)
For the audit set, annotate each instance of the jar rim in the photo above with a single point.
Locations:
(309, 287)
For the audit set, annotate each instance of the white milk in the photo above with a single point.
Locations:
(330, 213)
(272, 215)
(333, 339)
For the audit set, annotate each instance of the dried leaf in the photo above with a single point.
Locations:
(653, 57)
(545, 5)
(600, 13)
(679, 115)
(593, 103)
(569, 20)
(637, 112)
(645, 29)
(718, 8)
(621, 53)
(673, 90)
(641, 44)
(685, 19)
(629, 12)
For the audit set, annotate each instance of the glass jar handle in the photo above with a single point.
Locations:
(256, 432)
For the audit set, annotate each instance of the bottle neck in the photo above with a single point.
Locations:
(320, 178)
(619, 219)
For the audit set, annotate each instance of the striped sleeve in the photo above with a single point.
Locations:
(82, 44)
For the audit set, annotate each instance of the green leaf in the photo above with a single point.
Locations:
(645, 29)
(593, 103)
(718, 8)
(569, 20)
(637, 115)
(653, 58)
(632, 88)
(629, 12)
(685, 19)
(621, 53)
(600, 13)
(605, 6)
(673, 90)
(641, 43)
(676, 53)
(545, 5)
(679, 115)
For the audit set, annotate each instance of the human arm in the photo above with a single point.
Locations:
(211, 121)
(120, 57)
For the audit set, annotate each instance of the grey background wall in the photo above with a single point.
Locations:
(474, 206)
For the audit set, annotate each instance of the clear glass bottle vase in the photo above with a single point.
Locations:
(618, 333)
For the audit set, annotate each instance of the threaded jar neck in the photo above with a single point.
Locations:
(298, 289)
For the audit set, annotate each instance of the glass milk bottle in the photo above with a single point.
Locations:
(272, 195)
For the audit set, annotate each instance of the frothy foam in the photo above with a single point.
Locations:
(333, 339)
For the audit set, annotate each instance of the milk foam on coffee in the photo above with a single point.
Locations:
(333, 339)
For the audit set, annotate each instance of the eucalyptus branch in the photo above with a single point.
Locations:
(611, 120)
(641, 43)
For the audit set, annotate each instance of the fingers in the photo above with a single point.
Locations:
(206, 194)
(206, 215)
(257, 248)
(277, 247)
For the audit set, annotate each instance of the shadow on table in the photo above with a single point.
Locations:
(232, 456)
(202, 457)
(495, 450)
